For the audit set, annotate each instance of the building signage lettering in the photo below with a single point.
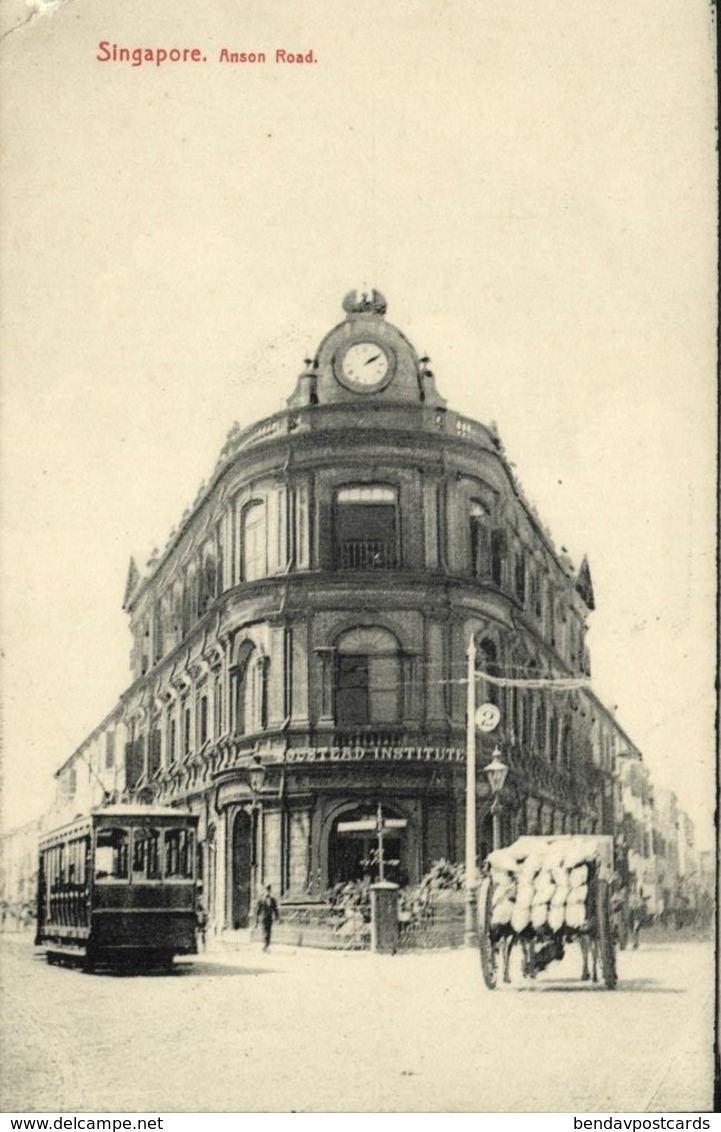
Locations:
(375, 754)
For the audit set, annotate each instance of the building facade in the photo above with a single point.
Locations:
(636, 843)
(299, 646)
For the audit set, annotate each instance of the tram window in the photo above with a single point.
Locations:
(179, 853)
(111, 854)
(76, 862)
(146, 861)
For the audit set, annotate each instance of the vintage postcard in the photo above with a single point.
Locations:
(358, 571)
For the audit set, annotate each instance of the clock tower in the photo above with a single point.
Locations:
(366, 360)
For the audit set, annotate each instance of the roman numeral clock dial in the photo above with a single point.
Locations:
(365, 366)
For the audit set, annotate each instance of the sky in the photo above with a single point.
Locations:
(535, 199)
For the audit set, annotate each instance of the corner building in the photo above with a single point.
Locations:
(312, 615)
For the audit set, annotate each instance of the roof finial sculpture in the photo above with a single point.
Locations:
(366, 304)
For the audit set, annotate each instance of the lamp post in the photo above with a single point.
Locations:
(470, 933)
(486, 719)
(496, 772)
(256, 778)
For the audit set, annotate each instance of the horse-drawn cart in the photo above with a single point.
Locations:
(543, 893)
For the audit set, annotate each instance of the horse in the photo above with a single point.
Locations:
(536, 957)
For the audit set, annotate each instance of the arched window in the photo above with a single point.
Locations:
(250, 692)
(480, 540)
(208, 583)
(254, 547)
(366, 528)
(368, 678)
(190, 602)
(175, 620)
(158, 628)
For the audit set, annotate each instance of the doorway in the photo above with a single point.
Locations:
(242, 863)
(353, 854)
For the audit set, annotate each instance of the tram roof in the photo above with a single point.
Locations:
(122, 811)
(138, 810)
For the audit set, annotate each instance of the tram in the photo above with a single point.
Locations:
(118, 886)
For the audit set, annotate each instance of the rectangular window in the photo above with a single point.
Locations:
(134, 761)
(78, 852)
(353, 695)
(111, 854)
(536, 600)
(366, 536)
(480, 539)
(203, 720)
(302, 523)
(179, 851)
(219, 565)
(153, 752)
(157, 635)
(254, 541)
(172, 741)
(520, 577)
(498, 554)
(367, 691)
(146, 858)
(480, 548)
(109, 749)
(218, 707)
(186, 731)
(383, 676)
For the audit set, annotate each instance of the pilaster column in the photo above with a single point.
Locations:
(327, 658)
(411, 700)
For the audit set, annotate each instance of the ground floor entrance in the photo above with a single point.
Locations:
(355, 853)
(242, 869)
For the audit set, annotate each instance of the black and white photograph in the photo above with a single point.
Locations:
(358, 568)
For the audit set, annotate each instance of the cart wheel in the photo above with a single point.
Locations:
(606, 950)
(488, 951)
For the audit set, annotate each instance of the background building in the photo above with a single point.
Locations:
(311, 616)
(18, 875)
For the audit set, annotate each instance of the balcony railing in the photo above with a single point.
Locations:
(375, 735)
(367, 554)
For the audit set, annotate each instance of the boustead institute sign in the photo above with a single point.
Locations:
(375, 754)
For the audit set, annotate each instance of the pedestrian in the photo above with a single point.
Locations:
(201, 919)
(267, 911)
(637, 916)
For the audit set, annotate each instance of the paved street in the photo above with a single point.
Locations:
(313, 1031)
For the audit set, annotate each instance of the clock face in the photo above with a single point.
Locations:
(365, 365)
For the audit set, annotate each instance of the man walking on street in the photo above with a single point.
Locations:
(267, 911)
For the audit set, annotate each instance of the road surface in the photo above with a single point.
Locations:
(242, 1031)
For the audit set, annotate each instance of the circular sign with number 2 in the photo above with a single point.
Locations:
(487, 717)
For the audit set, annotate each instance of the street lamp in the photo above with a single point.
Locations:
(496, 772)
(256, 776)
